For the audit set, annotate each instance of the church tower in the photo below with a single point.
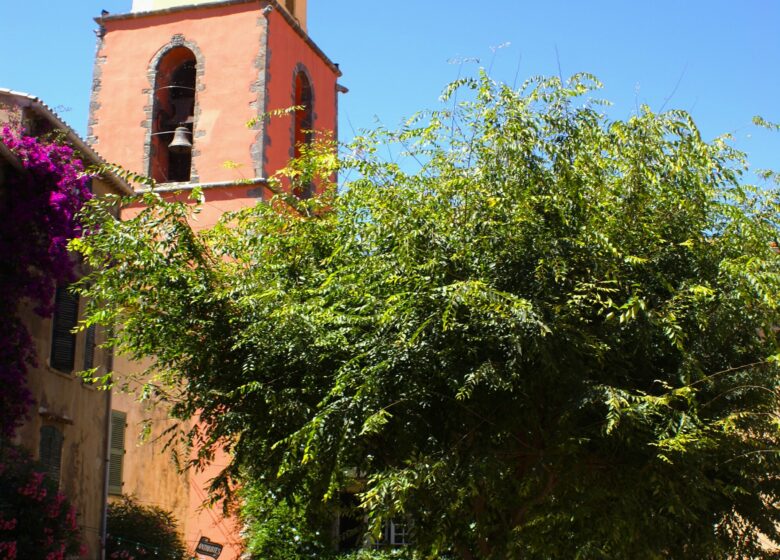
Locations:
(175, 84)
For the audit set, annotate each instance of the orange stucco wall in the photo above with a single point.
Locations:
(152, 477)
(231, 44)
(287, 51)
(209, 522)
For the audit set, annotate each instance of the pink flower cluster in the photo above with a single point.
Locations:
(8, 550)
(58, 554)
(54, 509)
(34, 488)
(38, 216)
(36, 520)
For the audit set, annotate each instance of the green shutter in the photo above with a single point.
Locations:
(63, 341)
(117, 452)
(50, 452)
(89, 347)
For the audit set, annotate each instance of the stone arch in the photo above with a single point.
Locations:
(177, 50)
(301, 78)
(303, 119)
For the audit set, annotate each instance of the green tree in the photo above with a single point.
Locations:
(535, 332)
(138, 531)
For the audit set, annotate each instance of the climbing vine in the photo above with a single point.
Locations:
(38, 216)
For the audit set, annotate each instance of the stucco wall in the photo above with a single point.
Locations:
(149, 473)
(79, 411)
(152, 477)
(246, 66)
(287, 53)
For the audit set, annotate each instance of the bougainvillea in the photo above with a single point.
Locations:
(38, 208)
(36, 520)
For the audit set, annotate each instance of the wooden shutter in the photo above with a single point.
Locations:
(117, 452)
(109, 352)
(63, 341)
(89, 347)
(50, 452)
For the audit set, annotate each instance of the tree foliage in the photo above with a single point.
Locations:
(136, 531)
(278, 530)
(535, 332)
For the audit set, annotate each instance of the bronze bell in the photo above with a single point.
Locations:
(180, 143)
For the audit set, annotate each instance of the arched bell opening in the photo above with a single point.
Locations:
(173, 116)
(303, 123)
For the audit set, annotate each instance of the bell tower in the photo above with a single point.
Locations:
(175, 84)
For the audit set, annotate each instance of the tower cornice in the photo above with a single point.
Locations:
(262, 4)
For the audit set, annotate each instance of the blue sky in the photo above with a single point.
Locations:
(718, 59)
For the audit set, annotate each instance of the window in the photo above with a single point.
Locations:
(34, 124)
(398, 534)
(173, 117)
(89, 347)
(304, 116)
(50, 451)
(303, 123)
(394, 534)
(117, 451)
(63, 341)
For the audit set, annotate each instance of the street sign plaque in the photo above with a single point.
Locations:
(208, 548)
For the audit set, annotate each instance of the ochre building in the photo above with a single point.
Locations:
(67, 429)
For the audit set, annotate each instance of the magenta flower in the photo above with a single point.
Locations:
(38, 216)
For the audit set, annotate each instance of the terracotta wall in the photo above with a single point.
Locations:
(235, 65)
(288, 52)
(152, 476)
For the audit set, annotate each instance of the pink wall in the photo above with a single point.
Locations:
(287, 51)
(209, 522)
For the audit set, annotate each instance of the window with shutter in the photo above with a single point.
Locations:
(50, 451)
(63, 341)
(109, 352)
(89, 347)
(117, 451)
